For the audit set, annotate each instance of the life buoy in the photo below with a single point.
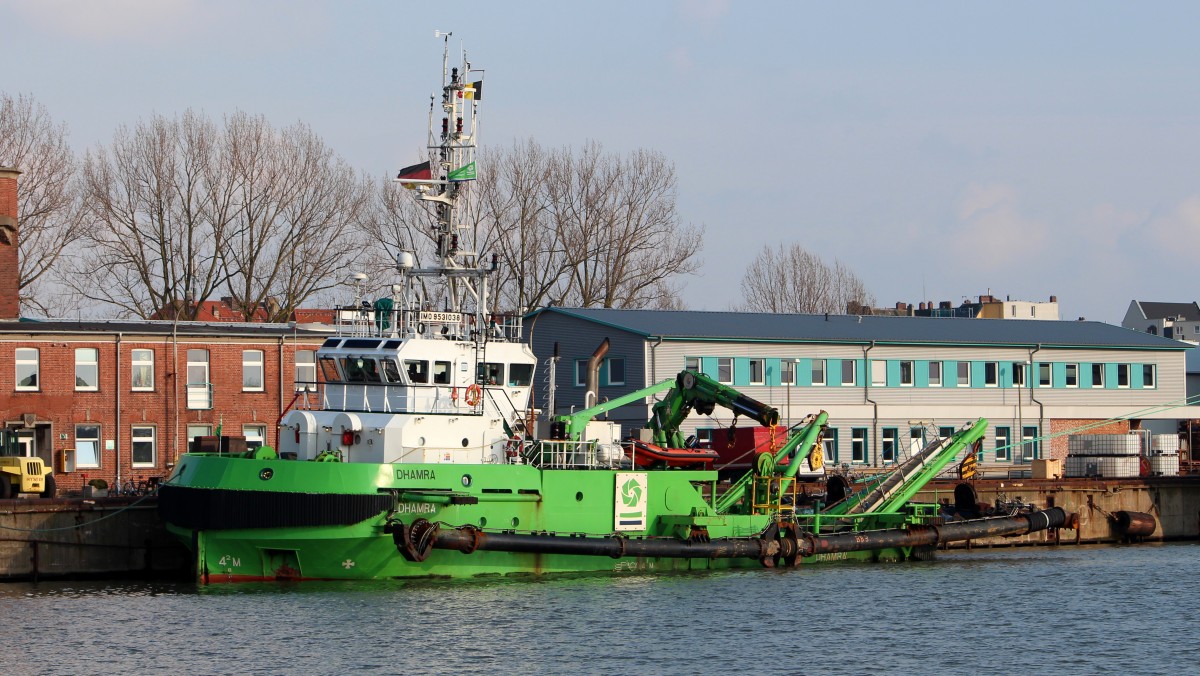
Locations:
(474, 394)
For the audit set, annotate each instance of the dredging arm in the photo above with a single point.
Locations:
(697, 391)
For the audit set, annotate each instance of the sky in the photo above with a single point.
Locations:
(941, 150)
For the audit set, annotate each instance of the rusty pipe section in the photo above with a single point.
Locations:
(779, 543)
(1134, 524)
(918, 536)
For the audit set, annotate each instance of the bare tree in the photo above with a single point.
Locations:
(185, 211)
(295, 217)
(793, 279)
(48, 209)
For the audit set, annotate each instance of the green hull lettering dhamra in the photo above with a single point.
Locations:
(421, 458)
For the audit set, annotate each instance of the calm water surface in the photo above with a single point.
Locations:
(1073, 610)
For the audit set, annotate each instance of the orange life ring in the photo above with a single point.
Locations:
(474, 394)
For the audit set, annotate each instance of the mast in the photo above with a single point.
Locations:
(446, 184)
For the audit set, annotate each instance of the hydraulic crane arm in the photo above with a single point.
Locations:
(697, 391)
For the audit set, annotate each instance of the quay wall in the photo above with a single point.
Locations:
(1174, 502)
(75, 538)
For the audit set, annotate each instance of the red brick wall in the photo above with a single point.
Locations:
(58, 403)
(10, 306)
(1066, 426)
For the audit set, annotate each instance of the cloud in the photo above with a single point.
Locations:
(989, 221)
(703, 13)
(154, 21)
(1178, 230)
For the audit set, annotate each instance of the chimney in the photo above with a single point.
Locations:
(1053, 299)
(10, 279)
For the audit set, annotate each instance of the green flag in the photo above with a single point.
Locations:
(463, 173)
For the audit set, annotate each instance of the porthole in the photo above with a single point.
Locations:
(482, 521)
(466, 442)
(266, 474)
(466, 481)
(579, 497)
(516, 522)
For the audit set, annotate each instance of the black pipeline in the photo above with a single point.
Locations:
(779, 543)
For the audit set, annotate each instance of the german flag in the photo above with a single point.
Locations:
(417, 172)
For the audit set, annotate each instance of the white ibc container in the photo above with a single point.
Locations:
(1165, 464)
(1164, 443)
(1104, 444)
(1119, 467)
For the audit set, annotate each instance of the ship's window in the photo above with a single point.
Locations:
(391, 372)
(329, 370)
(360, 370)
(441, 372)
(392, 344)
(418, 370)
(332, 342)
(361, 342)
(491, 373)
(520, 375)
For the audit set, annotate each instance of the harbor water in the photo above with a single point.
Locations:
(1068, 610)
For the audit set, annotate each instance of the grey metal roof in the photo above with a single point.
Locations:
(1162, 310)
(705, 325)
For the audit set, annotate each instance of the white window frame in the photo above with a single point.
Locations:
(935, 381)
(858, 446)
(306, 371)
(141, 359)
(22, 358)
(1128, 375)
(80, 441)
(1019, 373)
(962, 368)
(1098, 369)
(1071, 375)
(908, 373)
(199, 392)
(725, 363)
(818, 366)
(253, 364)
(191, 433)
(580, 375)
(891, 436)
(691, 364)
(1002, 452)
(991, 379)
(87, 359)
(787, 372)
(608, 365)
(254, 433)
(138, 436)
(1048, 369)
(758, 365)
(878, 373)
(853, 381)
(1150, 382)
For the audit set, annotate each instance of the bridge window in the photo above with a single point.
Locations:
(418, 370)
(441, 372)
(329, 370)
(520, 375)
(492, 373)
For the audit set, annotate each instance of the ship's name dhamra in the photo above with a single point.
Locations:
(414, 474)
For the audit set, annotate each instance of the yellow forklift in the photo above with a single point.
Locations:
(20, 473)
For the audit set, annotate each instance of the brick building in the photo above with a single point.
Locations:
(120, 400)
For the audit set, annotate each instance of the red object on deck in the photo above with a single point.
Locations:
(737, 448)
(647, 455)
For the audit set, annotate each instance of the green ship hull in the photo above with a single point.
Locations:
(250, 519)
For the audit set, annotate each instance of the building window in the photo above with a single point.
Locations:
(848, 375)
(1018, 374)
(906, 374)
(787, 372)
(256, 435)
(306, 371)
(945, 432)
(935, 374)
(858, 445)
(1029, 444)
(991, 377)
(87, 446)
(252, 370)
(1122, 375)
(829, 444)
(725, 370)
(1003, 452)
(756, 372)
(964, 374)
(616, 371)
(143, 446)
(1043, 374)
(1097, 375)
(87, 369)
(581, 369)
(891, 439)
(194, 431)
(818, 372)
(878, 373)
(691, 364)
(27, 368)
(142, 376)
(1071, 375)
(199, 392)
(1148, 376)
